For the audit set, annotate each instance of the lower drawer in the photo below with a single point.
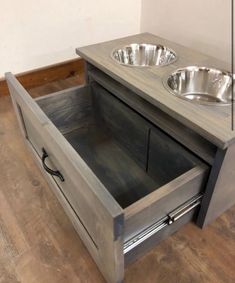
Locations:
(141, 242)
(119, 207)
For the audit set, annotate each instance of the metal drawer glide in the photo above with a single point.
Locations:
(162, 223)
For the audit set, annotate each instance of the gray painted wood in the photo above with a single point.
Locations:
(108, 216)
(68, 109)
(117, 171)
(196, 143)
(112, 124)
(206, 150)
(79, 202)
(167, 158)
(159, 203)
(78, 225)
(124, 125)
(123, 178)
(220, 190)
(213, 123)
(85, 154)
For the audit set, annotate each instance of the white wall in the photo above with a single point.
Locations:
(35, 33)
(200, 24)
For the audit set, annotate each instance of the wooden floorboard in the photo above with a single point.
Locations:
(39, 245)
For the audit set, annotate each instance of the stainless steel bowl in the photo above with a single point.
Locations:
(201, 85)
(144, 55)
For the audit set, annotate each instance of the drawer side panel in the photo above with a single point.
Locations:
(163, 200)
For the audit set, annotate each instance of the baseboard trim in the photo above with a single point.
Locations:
(41, 76)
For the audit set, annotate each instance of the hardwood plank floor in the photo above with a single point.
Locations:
(39, 245)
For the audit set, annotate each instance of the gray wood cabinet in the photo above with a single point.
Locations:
(126, 173)
(107, 174)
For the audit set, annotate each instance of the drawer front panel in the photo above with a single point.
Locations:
(71, 213)
(80, 204)
(96, 211)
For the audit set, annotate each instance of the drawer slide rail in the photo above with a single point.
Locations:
(162, 223)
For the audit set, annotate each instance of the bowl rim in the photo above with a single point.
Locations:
(143, 66)
(167, 75)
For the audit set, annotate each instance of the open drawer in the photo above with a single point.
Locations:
(107, 165)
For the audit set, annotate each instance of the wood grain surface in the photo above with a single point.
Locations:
(174, 128)
(213, 123)
(121, 176)
(38, 244)
(94, 206)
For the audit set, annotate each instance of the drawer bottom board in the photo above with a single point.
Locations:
(121, 175)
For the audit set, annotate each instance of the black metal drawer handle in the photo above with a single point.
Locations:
(50, 171)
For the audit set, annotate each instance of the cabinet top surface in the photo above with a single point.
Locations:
(213, 123)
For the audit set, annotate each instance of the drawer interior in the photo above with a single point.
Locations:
(116, 142)
(121, 175)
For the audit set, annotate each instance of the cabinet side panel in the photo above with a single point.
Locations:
(220, 191)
